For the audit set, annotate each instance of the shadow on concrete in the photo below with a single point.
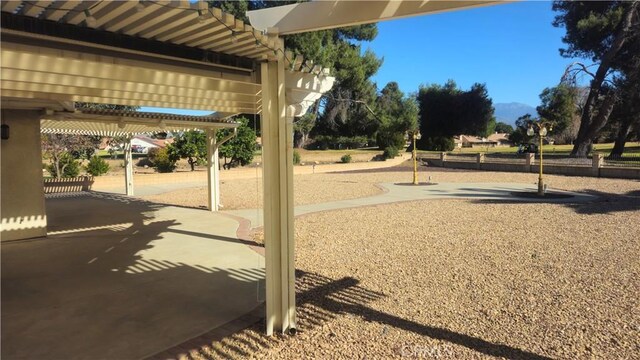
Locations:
(108, 287)
(319, 300)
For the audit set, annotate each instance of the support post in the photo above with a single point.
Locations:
(128, 168)
(530, 160)
(479, 160)
(213, 172)
(277, 152)
(597, 162)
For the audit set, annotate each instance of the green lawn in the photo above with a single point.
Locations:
(631, 149)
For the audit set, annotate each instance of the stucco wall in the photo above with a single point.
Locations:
(22, 197)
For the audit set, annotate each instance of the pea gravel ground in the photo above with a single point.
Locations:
(462, 278)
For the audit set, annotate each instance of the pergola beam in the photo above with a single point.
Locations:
(321, 15)
(121, 101)
(150, 74)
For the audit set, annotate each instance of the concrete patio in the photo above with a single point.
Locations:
(123, 278)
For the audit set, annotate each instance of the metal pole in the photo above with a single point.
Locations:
(540, 181)
(415, 161)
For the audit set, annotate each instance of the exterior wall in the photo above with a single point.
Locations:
(622, 173)
(143, 144)
(22, 196)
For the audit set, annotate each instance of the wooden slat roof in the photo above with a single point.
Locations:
(175, 22)
(107, 122)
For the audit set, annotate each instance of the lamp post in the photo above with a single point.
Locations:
(416, 136)
(541, 128)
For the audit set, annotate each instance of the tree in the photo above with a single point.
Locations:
(190, 145)
(626, 114)
(503, 128)
(607, 32)
(558, 107)
(60, 147)
(301, 129)
(97, 166)
(519, 134)
(397, 115)
(67, 167)
(491, 127)
(341, 111)
(241, 148)
(446, 110)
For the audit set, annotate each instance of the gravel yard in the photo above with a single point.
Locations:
(247, 193)
(461, 278)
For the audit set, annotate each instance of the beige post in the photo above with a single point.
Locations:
(128, 168)
(479, 159)
(597, 162)
(213, 186)
(443, 158)
(530, 159)
(277, 152)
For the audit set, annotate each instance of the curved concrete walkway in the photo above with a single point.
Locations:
(398, 192)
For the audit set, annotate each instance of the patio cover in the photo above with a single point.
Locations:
(174, 54)
(106, 122)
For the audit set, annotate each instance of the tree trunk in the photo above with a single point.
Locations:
(583, 145)
(621, 138)
(56, 163)
(589, 127)
(298, 139)
(192, 163)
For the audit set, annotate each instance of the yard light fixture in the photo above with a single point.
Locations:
(416, 136)
(541, 127)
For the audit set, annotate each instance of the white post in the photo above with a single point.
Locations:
(213, 175)
(128, 168)
(277, 152)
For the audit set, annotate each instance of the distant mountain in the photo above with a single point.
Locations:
(510, 112)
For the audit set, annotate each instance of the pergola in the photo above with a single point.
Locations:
(175, 54)
(126, 124)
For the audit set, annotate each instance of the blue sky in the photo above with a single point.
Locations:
(513, 48)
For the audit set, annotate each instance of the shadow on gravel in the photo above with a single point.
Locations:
(604, 203)
(608, 203)
(321, 299)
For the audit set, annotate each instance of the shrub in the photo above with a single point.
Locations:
(152, 154)
(389, 136)
(97, 166)
(70, 167)
(390, 152)
(163, 161)
(345, 158)
(296, 157)
(144, 161)
(438, 143)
